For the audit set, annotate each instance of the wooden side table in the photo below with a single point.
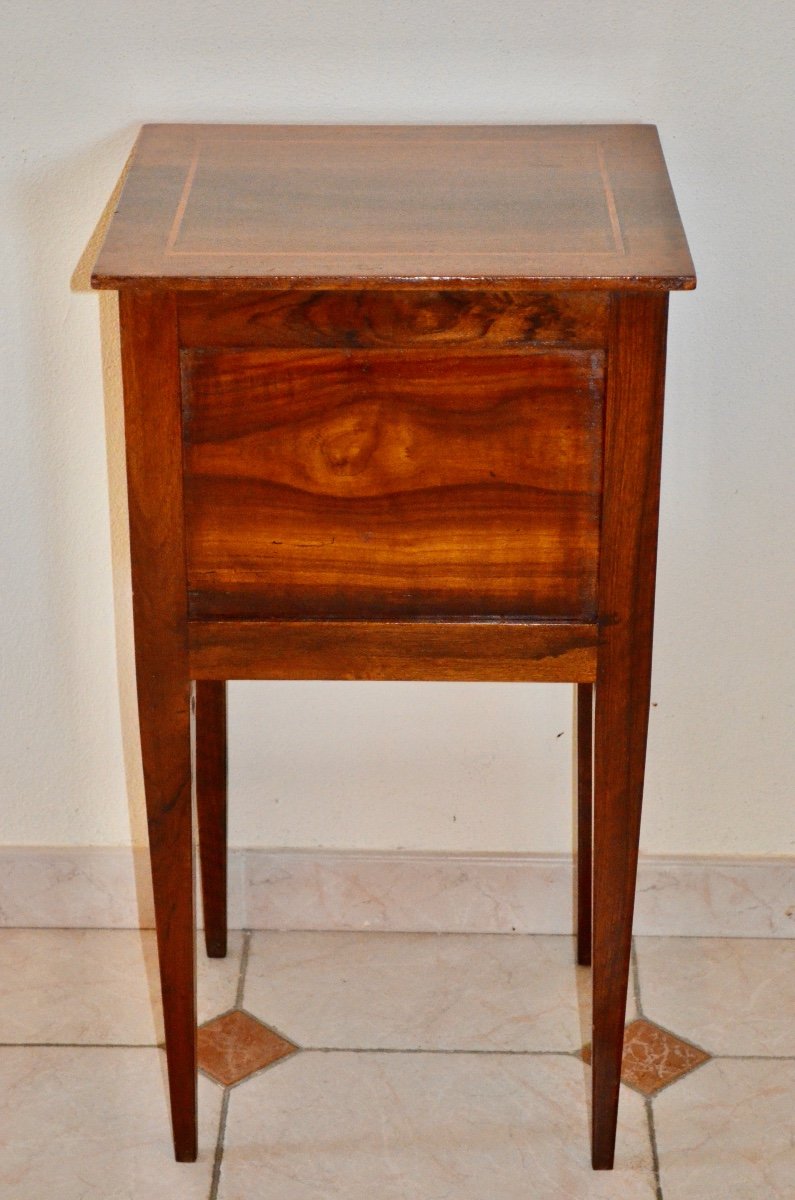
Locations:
(393, 405)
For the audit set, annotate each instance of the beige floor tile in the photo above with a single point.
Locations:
(726, 1132)
(420, 991)
(424, 1127)
(729, 995)
(96, 985)
(92, 1124)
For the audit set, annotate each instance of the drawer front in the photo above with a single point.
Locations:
(383, 319)
(412, 483)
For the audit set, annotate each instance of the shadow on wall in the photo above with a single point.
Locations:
(120, 541)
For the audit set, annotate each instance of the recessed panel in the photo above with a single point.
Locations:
(374, 483)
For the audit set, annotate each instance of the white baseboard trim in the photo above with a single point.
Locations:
(109, 887)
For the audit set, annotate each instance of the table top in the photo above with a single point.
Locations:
(519, 206)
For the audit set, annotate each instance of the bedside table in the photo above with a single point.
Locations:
(393, 403)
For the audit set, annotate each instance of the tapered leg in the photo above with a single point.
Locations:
(150, 365)
(165, 746)
(620, 743)
(633, 439)
(211, 809)
(584, 820)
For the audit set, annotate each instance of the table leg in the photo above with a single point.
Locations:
(620, 743)
(630, 503)
(150, 365)
(165, 748)
(211, 809)
(584, 695)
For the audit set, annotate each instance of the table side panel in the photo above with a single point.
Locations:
(375, 483)
(461, 651)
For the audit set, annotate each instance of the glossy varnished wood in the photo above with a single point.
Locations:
(577, 206)
(384, 483)
(445, 319)
(154, 484)
(633, 442)
(407, 650)
(394, 405)
(211, 808)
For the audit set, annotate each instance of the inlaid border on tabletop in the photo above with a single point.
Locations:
(174, 225)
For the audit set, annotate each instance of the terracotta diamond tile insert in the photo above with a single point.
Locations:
(653, 1057)
(235, 1045)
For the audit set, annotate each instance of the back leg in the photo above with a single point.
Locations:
(211, 809)
(584, 820)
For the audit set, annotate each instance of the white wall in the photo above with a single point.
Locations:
(380, 765)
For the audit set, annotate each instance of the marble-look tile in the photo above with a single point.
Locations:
(503, 893)
(653, 1057)
(450, 893)
(726, 1132)
(93, 1124)
(106, 887)
(96, 985)
(236, 1045)
(109, 887)
(420, 991)
(426, 1125)
(729, 995)
(74, 886)
(217, 978)
(713, 897)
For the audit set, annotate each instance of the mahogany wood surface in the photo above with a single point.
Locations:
(574, 206)
(154, 486)
(633, 442)
(392, 483)
(393, 405)
(210, 781)
(488, 651)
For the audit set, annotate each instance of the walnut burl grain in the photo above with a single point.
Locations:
(393, 403)
(389, 319)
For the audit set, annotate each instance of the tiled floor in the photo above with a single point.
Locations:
(395, 1066)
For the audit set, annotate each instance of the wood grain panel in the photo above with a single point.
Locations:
(404, 650)
(373, 483)
(386, 318)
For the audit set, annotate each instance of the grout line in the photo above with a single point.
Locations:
(241, 978)
(82, 1045)
(80, 928)
(430, 1050)
(390, 1050)
(219, 1147)
(753, 1058)
(719, 937)
(655, 1157)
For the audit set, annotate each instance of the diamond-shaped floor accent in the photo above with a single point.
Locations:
(653, 1057)
(235, 1045)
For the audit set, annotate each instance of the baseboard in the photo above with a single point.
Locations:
(424, 892)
